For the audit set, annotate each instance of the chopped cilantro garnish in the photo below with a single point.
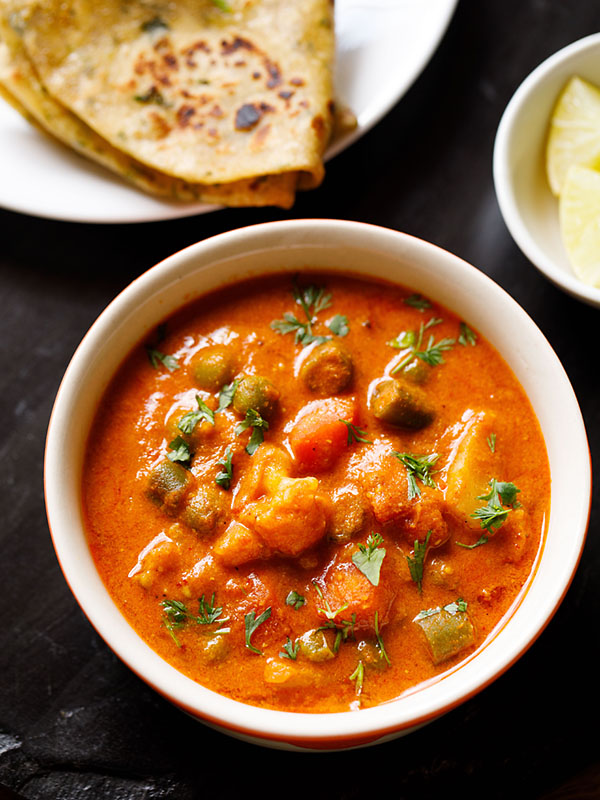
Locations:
(157, 357)
(417, 301)
(252, 622)
(295, 600)
(416, 563)
(253, 420)
(458, 606)
(501, 499)
(412, 341)
(369, 558)
(226, 395)
(358, 676)
(418, 467)
(188, 422)
(290, 650)
(223, 478)
(467, 335)
(339, 325)
(179, 450)
(355, 434)
(380, 640)
(312, 299)
(176, 616)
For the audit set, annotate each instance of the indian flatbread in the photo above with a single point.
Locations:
(21, 88)
(210, 97)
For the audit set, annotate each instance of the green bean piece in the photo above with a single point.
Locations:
(398, 405)
(327, 370)
(446, 634)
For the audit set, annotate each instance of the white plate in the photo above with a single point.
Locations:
(383, 45)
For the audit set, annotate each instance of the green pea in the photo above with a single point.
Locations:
(213, 367)
(258, 393)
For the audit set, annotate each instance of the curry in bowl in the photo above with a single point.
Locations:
(315, 494)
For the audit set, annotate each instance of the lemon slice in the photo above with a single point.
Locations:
(579, 213)
(574, 135)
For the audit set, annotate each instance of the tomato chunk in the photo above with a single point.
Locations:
(319, 436)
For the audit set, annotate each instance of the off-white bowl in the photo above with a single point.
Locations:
(529, 208)
(341, 247)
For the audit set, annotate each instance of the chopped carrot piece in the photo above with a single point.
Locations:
(319, 436)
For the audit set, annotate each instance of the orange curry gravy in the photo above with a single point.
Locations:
(323, 552)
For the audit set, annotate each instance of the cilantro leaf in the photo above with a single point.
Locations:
(458, 606)
(339, 325)
(176, 616)
(295, 600)
(253, 420)
(467, 336)
(418, 467)
(380, 640)
(223, 478)
(417, 301)
(412, 342)
(209, 613)
(290, 649)
(432, 354)
(312, 299)
(251, 623)
(157, 357)
(416, 563)
(355, 434)
(189, 421)
(180, 451)
(501, 499)
(358, 676)
(226, 395)
(492, 516)
(369, 558)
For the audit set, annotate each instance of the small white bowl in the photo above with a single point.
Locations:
(529, 208)
(343, 247)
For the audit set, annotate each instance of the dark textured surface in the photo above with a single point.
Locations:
(74, 722)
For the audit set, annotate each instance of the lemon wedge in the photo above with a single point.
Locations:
(574, 134)
(579, 214)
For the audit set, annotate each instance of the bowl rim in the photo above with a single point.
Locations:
(267, 726)
(504, 186)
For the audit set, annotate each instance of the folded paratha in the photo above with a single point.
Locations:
(186, 99)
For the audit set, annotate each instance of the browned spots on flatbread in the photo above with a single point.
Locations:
(274, 74)
(159, 125)
(170, 61)
(227, 48)
(247, 116)
(190, 52)
(184, 115)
